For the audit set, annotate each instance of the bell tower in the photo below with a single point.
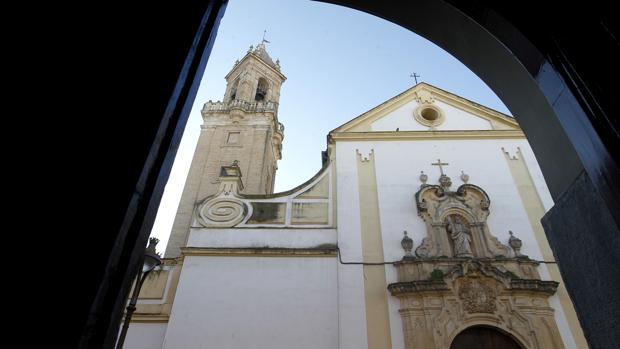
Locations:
(242, 128)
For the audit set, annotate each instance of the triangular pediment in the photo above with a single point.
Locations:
(424, 107)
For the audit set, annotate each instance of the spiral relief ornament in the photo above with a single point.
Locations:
(222, 212)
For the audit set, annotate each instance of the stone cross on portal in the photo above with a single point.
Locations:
(439, 163)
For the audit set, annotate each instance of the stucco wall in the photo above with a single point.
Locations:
(255, 302)
(402, 118)
(145, 336)
(262, 237)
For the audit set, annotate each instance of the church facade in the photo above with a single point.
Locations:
(421, 230)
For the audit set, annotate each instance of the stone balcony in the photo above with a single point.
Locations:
(252, 107)
(249, 107)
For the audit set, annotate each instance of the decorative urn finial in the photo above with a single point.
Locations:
(464, 177)
(407, 244)
(423, 177)
(515, 243)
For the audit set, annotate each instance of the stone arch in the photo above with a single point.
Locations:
(457, 210)
(501, 330)
(233, 89)
(262, 90)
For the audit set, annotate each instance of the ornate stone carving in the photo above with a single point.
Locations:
(477, 297)
(515, 243)
(460, 236)
(467, 237)
(464, 177)
(407, 244)
(423, 177)
(474, 292)
(464, 276)
(225, 209)
(445, 182)
(222, 212)
(424, 97)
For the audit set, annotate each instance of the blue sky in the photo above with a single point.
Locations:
(338, 62)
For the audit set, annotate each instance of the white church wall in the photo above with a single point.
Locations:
(398, 180)
(255, 302)
(262, 237)
(403, 119)
(398, 165)
(145, 336)
(351, 301)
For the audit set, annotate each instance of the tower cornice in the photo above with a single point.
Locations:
(262, 62)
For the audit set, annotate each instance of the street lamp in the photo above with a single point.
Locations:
(150, 261)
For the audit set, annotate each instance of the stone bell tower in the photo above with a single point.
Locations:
(243, 127)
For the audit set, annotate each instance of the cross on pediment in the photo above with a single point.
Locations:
(439, 163)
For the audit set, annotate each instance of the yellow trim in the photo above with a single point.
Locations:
(424, 135)
(535, 211)
(375, 284)
(259, 252)
(362, 122)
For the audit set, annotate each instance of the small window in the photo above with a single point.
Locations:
(429, 115)
(233, 137)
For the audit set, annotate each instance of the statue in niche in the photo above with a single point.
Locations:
(457, 229)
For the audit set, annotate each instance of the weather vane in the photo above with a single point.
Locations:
(415, 76)
(265, 33)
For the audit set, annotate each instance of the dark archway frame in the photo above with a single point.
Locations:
(554, 66)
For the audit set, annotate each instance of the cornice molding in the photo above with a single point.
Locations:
(331, 251)
(144, 318)
(257, 58)
(425, 135)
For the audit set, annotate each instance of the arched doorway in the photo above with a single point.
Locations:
(482, 337)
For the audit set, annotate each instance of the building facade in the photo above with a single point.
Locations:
(422, 230)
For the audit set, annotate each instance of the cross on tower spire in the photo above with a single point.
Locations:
(439, 163)
(264, 40)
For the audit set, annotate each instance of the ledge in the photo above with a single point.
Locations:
(534, 285)
(327, 251)
(457, 260)
(144, 318)
(402, 288)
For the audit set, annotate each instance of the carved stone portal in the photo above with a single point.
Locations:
(462, 276)
(442, 297)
